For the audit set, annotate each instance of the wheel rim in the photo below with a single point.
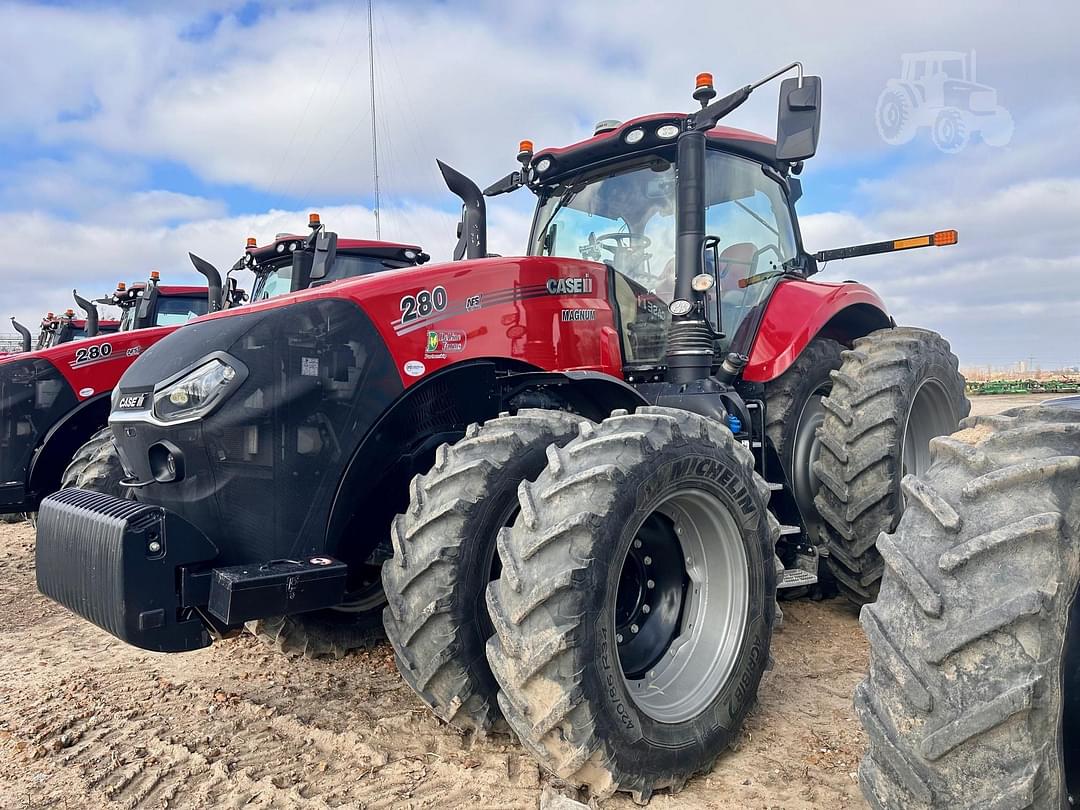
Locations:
(804, 452)
(930, 414)
(688, 641)
(368, 596)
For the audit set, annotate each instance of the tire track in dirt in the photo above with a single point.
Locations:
(88, 722)
(163, 744)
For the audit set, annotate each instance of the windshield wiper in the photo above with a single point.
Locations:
(564, 200)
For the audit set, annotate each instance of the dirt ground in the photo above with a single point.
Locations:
(87, 722)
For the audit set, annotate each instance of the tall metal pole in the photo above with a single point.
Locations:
(374, 133)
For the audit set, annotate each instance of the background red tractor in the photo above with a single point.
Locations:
(583, 472)
(54, 404)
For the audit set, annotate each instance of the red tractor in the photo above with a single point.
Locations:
(57, 329)
(584, 473)
(54, 404)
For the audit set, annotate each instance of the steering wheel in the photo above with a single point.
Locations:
(624, 241)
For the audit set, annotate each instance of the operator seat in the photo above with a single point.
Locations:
(735, 263)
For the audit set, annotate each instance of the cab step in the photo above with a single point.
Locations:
(796, 578)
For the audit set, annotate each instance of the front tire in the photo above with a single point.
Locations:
(897, 389)
(444, 557)
(950, 131)
(973, 696)
(96, 466)
(635, 607)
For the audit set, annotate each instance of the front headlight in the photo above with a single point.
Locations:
(196, 393)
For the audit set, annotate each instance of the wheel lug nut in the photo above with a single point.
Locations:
(647, 560)
(618, 637)
(645, 608)
(634, 628)
(637, 544)
(650, 584)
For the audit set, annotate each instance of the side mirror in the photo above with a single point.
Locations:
(798, 122)
(325, 253)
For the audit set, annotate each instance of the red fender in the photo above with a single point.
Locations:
(799, 310)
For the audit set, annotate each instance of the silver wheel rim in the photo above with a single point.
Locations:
(930, 414)
(699, 660)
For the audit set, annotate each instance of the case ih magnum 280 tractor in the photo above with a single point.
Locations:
(54, 399)
(584, 472)
(54, 404)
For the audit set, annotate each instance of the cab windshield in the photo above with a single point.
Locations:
(173, 310)
(170, 310)
(625, 217)
(274, 280)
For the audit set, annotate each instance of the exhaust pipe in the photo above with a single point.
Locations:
(472, 230)
(213, 281)
(91, 314)
(24, 332)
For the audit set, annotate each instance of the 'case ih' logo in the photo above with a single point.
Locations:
(559, 286)
(131, 401)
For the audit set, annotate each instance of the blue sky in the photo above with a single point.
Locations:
(134, 132)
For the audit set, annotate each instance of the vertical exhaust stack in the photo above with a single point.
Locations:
(91, 314)
(27, 340)
(213, 281)
(472, 230)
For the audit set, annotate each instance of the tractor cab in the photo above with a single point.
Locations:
(292, 262)
(64, 328)
(613, 200)
(685, 284)
(150, 303)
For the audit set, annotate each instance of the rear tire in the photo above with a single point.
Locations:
(444, 550)
(96, 466)
(897, 389)
(323, 633)
(660, 509)
(793, 412)
(972, 696)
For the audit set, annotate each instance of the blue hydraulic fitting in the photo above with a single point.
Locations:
(734, 424)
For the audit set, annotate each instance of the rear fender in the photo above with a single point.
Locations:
(61, 443)
(798, 311)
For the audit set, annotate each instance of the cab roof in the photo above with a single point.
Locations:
(355, 247)
(611, 144)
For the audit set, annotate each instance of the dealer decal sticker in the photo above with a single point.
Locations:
(444, 342)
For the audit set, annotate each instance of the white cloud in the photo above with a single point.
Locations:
(95, 255)
(281, 106)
